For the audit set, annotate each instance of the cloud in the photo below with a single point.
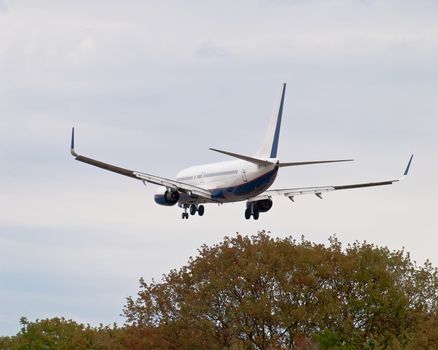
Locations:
(209, 49)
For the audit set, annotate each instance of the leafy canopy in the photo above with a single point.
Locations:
(261, 292)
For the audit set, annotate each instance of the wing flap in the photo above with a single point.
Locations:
(177, 185)
(292, 192)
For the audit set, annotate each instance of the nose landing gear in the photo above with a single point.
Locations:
(185, 215)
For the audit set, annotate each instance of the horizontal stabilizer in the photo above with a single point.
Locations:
(315, 162)
(240, 156)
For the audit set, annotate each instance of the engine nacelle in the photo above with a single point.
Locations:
(263, 205)
(166, 197)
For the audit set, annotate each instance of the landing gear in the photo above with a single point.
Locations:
(255, 213)
(193, 208)
(252, 210)
(201, 210)
(247, 213)
(185, 215)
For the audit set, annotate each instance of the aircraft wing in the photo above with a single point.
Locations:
(318, 191)
(191, 190)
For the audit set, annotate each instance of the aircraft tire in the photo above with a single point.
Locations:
(255, 214)
(193, 209)
(201, 210)
(247, 213)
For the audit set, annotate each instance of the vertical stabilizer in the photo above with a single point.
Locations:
(270, 144)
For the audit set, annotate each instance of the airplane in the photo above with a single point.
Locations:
(246, 178)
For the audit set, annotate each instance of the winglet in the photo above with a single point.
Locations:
(72, 146)
(407, 168)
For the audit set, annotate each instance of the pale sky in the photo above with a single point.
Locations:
(151, 85)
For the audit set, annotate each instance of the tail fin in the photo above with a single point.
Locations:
(270, 144)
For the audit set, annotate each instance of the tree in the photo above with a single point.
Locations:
(263, 293)
(61, 334)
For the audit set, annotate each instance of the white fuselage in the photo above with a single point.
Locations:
(229, 181)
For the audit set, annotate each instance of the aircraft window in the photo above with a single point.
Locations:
(230, 172)
(221, 173)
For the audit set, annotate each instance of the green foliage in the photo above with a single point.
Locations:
(61, 334)
(264, 293)
(328, 340)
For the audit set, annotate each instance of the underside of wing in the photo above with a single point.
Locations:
(319, 190)
(188, 189)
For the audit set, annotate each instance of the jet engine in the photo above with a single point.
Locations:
(166, 197)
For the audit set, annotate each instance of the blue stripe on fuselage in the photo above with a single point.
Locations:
(250, 188)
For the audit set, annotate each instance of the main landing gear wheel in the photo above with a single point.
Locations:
(193, 209)
(201, 210)
(247, 213)
(252, 210)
